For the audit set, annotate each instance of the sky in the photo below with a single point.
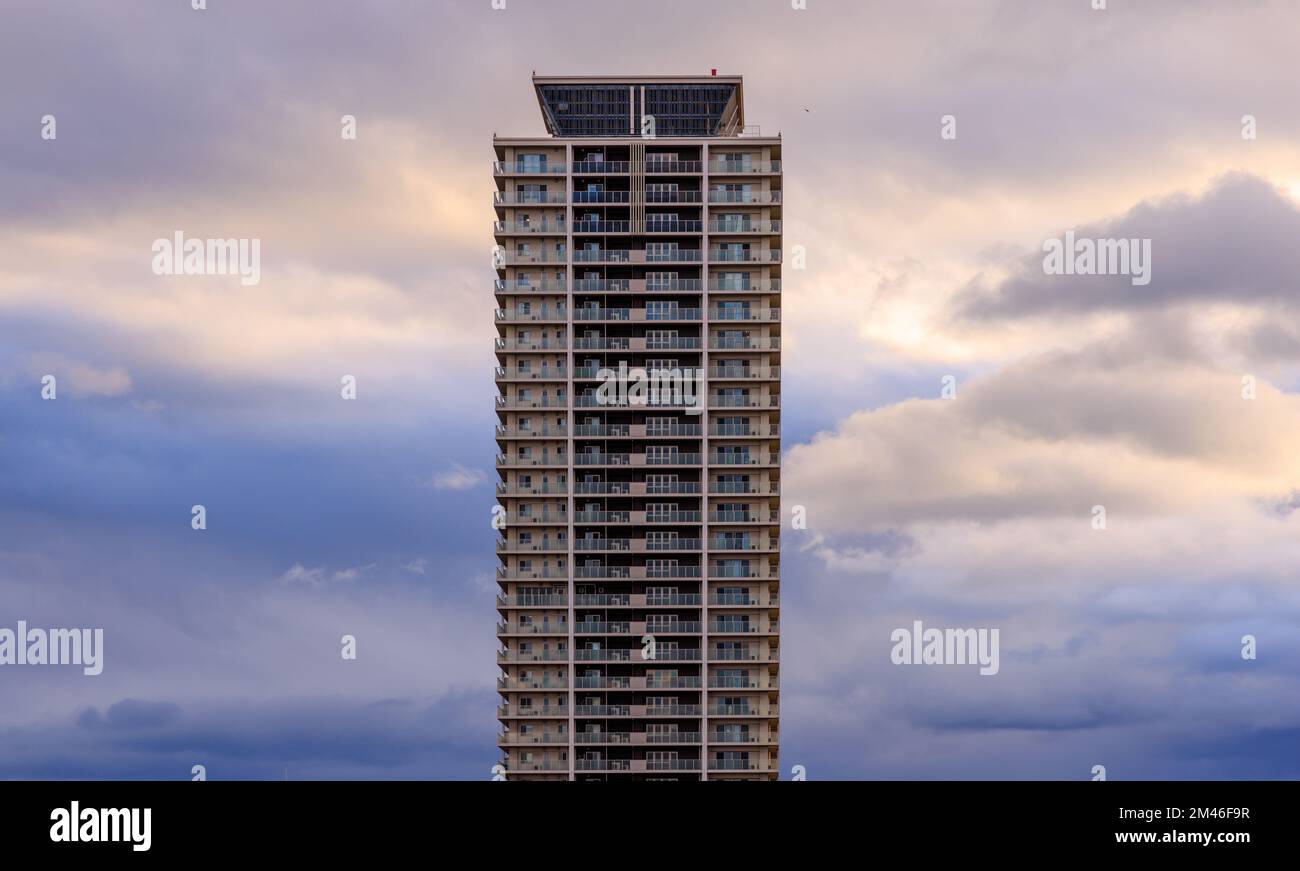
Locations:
(1120, 646)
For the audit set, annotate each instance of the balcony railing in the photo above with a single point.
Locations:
(600, 196)
(508, 710)
(542, 313)
(743, 167)
(756, 197)
(745, 314)
(506, 286)
(730, 285)
(531, 432)
(744, 226)
(673, 166)
(743, 343)
(520, 167)
(600, 167)
(744, 255)
(528, 198)
(516, 766)
(552, 227)
(532, 601)
(533, 628)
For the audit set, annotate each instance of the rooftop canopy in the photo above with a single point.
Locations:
(607, 106)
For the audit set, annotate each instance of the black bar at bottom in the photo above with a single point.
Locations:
(329, 819)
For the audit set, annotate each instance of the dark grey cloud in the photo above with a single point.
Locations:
(302, 739)
(1233, 244)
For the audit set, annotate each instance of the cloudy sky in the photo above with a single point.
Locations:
(1120, 646)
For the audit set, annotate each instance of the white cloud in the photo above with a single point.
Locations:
(458, 477)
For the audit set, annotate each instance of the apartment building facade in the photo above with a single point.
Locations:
(639, 242)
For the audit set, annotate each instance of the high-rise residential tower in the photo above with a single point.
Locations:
(638, 313)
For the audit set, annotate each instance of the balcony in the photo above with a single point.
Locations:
(540, 683)
(758, 198)
(546, 546)
(739, 738)
(637, 765)
(637, 710)
(520, 167)
(634, 573)
(722, 570)
(543, 374)
(740, 459)
(744, 255)
(602, 710)
(516, 767)
(601, 167)
(636, 343)
(519, 228)
(744, 167)
(532, 315)
(544, 460)
(638, 517)
(533, 601)
(732, 682)
(673, 167)
(765, 517)
(531, 258)
(740, 488)
(636, 285)
(531, 432)
(745, 373)
(681, 458)
(638, 628)
(529, 198)
(602, 226)
(763, 227)
(637, 600)
(502, 285)
(635, 430)
(600, 197)
(720, 400)
(636, 315)
(744, 711)
(545, 518)
(738, 430)
(765, 655)
(635, 545)
(668, 400)
(671, 516)
(561, 628)
(679, 226)
(745, 314)
(650, 167)
(503, 344)
(515, 738)
(740, 765)
(744, 626)
(556, 711)
(744, 343)
(515, 402)
(635, 256)
(741, 286)
(514, 656)
(670, 196)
